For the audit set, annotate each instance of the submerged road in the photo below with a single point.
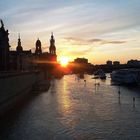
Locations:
(75, 110)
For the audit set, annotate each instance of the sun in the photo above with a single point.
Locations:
(64, 61)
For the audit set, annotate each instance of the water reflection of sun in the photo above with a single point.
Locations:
(66, 106)
(65, 100)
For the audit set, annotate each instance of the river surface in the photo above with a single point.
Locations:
(73, 109)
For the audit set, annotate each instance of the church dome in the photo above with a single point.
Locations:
(38, 43)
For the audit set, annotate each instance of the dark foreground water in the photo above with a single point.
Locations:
(73, 110)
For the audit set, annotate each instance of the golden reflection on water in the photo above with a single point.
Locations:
(67, 106)
(65, 99)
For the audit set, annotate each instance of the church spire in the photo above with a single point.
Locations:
(19, 40)
(2, 24)
(52, 45)
(52, 35)
(19, 47)
(18, 35)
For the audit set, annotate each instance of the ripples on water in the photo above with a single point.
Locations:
(73, 109)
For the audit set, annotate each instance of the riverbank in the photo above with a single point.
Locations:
(16, 86)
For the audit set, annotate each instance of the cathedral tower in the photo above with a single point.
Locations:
(38, 50)
(19, 47)
(52, 48)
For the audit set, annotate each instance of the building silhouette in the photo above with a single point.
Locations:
(81, 60)
(20, 59)
(133, 63)
(52, 45)
(116, 63)
(46, 56)
(81, 65)
(19, 48)
(109, 63)
(4, 48)
(38, 49)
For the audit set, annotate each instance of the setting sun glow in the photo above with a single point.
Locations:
(64, 61)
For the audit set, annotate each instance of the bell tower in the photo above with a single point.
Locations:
(19, 47)
(52, 48)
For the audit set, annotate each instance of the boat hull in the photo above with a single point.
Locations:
(125, 76)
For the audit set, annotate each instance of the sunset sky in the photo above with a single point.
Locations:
(99, 30)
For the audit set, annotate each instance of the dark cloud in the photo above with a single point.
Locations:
(79, 41)
(95, 40)
(117, 42)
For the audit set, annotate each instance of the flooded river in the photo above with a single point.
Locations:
(75, 109)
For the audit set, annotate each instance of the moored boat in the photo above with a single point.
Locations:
(126, 76)
(100, 74)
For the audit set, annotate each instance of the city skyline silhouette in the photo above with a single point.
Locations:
(99, 32)
(69, 69)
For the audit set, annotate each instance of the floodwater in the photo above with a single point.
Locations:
(75, 109)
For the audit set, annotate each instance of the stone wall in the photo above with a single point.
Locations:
(13, 85)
